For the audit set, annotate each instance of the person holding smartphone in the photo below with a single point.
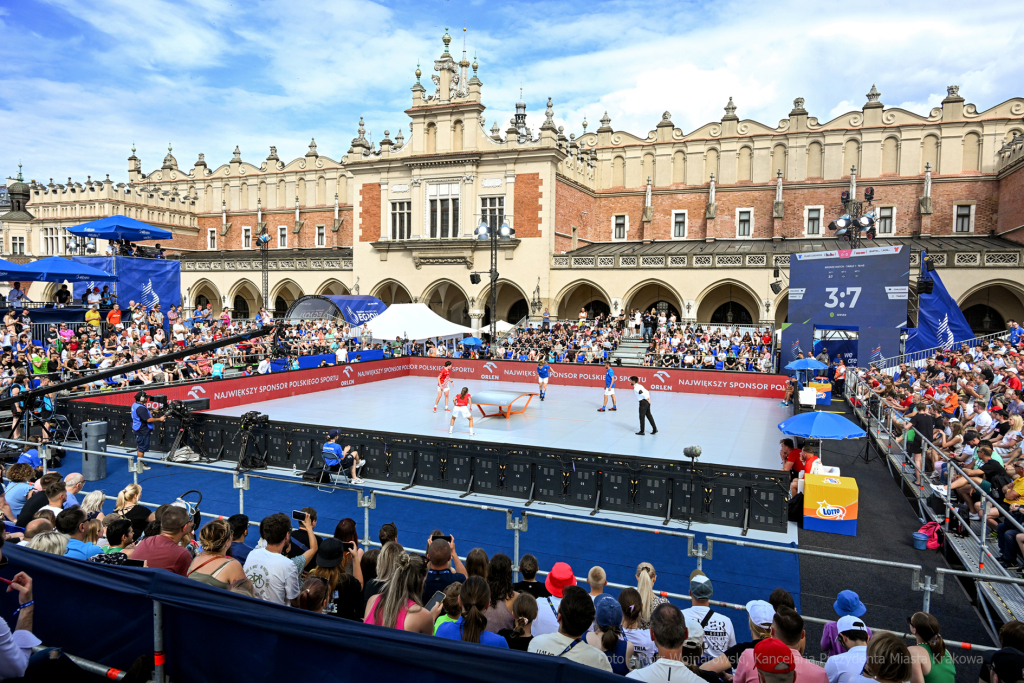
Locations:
(441, 558)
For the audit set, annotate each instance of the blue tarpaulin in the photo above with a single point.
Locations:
(356, 310)
(150, 281)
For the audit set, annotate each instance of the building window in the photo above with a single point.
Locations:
(964, 218)
(744, 222)
(443, 210)
(813, 221)
(886, 219)
(401, 220)
(321, 236)
(492, 210)
(55, 240)
(678, 225)
(211, 238)
(246, 238)
(282, 236)
(17, 244)
(620, 227)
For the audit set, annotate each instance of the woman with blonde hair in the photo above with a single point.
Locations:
(400, 605)
(92, 505)
(212, 566)
(888, 659)
(52, 542)
(931, 661)
(128, 507)
(645, 578)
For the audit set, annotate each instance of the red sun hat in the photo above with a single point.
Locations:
(559, 578)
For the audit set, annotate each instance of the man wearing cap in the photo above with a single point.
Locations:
(142, 425)
(760, 614)
(1006, 663)
(670, 634)
(556, 582)
(775, 662)
(719, 634)
(575, 616)
(852, 634)
(787, 627)
(336, 457)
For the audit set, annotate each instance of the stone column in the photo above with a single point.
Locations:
(475, 318)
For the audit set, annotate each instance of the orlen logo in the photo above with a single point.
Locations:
(826, 511)
(195, 391)
(490, 367)
(662, 375)
(348, 370)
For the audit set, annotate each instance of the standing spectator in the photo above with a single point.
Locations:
(931, 661)
(73, 523)
(62, 297)
(439, 573)
(668, 633)
(719, 634)
(472, 626)
(399, 606)
(787, 626)
(597, 580)
(274, 577)
(575, 615)
(164, 551)
(239, 530)
(888, 660)
(847, 603)
(846, 666)
(524, 611)
(645, 578)
(608, 637)
(528, 570)
(559, 578)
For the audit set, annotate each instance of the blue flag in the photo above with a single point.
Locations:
(940, 322)
(143, 280)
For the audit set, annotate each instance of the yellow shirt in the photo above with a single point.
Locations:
(1018, 486)
(92, 316)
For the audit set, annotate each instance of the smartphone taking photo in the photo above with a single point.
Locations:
(299, 515)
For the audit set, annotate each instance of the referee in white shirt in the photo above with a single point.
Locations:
(645, 405)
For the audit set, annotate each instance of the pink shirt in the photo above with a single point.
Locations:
(399, 621)
(806, 671)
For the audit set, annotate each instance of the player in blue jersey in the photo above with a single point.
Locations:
(609, 387)
(543, 371)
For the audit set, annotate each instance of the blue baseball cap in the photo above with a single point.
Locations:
(334, 433)
(608, 611)
(848, 604)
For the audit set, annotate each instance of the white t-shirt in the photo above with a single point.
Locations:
(554, 644)
(643, 646)
(641, 392)
(547, 620)
(274, 577)
(983, 420)
(845, 667)
(719, 635)
(264, 366)
(665, 671)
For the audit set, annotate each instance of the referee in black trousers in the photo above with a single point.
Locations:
(645, 405)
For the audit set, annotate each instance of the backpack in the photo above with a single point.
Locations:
(933, 530)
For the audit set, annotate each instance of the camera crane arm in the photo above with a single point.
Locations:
(122, 369)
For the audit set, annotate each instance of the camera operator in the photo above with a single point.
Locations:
(336, 457)
(142, 425)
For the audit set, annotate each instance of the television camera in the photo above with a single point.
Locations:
(248, 422)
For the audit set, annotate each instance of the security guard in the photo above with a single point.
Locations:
(142, 425)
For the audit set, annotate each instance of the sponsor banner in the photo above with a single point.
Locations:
(231, 392)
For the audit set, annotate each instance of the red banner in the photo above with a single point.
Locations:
(231, 392)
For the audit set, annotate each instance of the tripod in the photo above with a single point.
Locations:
(186, 431)
(246, 463)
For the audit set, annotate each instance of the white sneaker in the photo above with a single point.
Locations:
(358, 481)
(449, 431)
(975, 518)
(472, 433)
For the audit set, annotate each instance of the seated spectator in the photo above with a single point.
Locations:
(300, 542)
(16, 647)
(759, 618)
(575, 615)
(846, 666)
(275, 577)
(888, 660)
(128, 506)
(74, 482)
(558, 579)
(668, 633)
(313, 595)
(847, 603)
(477, 563)
(388, 532)
(92, 504)
(471, 627)
(120, 538)
(239, 530)
(56, 495)
(18, 491)
(607, 635)
(719, 634)
(528, 570)
(400, 605)
(645, 578)
(73, 524)
(164, 551)
(524, 612)
(1009, 658)
(440, 554)
(36, 527)
(632, 605)
(52, 542)
(788, 627)
(930, 659)
(213, 566)
(30, 456)
(499, 580)
(345, 591)
(451, 610)
(597, 580)
(387, 564)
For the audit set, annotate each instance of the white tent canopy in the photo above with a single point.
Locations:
(503, 326)
(415, 322)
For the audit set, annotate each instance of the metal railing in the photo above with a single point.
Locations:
(520, 524)
(675, 361)
(918, 358)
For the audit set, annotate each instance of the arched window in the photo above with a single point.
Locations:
(321, 191)
(431, 141)
(678, 168)
(710, 164)
(647, 169)
(890, 156)
(263, 194)
(240, 307)
(457, 133)
(851, 156)
(300, 190)
(744, 164)
(778, 160)
(208, 199)
(243, 197)
(282, 198)
(930, 153)
(618, 172)
(972, 152)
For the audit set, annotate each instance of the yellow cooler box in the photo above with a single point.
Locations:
(830, 504)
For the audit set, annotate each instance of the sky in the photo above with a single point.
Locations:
(84, 80)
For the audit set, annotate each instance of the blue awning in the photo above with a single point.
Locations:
(120, 228)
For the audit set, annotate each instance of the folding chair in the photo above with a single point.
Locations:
(62, 428)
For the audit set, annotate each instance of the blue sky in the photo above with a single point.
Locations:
(82, 80)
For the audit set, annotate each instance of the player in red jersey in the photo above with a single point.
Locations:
(444, 382)
(463, 408)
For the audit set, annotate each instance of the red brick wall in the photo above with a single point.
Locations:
(527, 205)
(563, 244)
(306, 239)
(570, 203)
(986, 192)
(1011, 205)
(369, 211)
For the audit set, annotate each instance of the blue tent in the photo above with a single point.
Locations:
(120, 228)
(818, 425)
(58, 269)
